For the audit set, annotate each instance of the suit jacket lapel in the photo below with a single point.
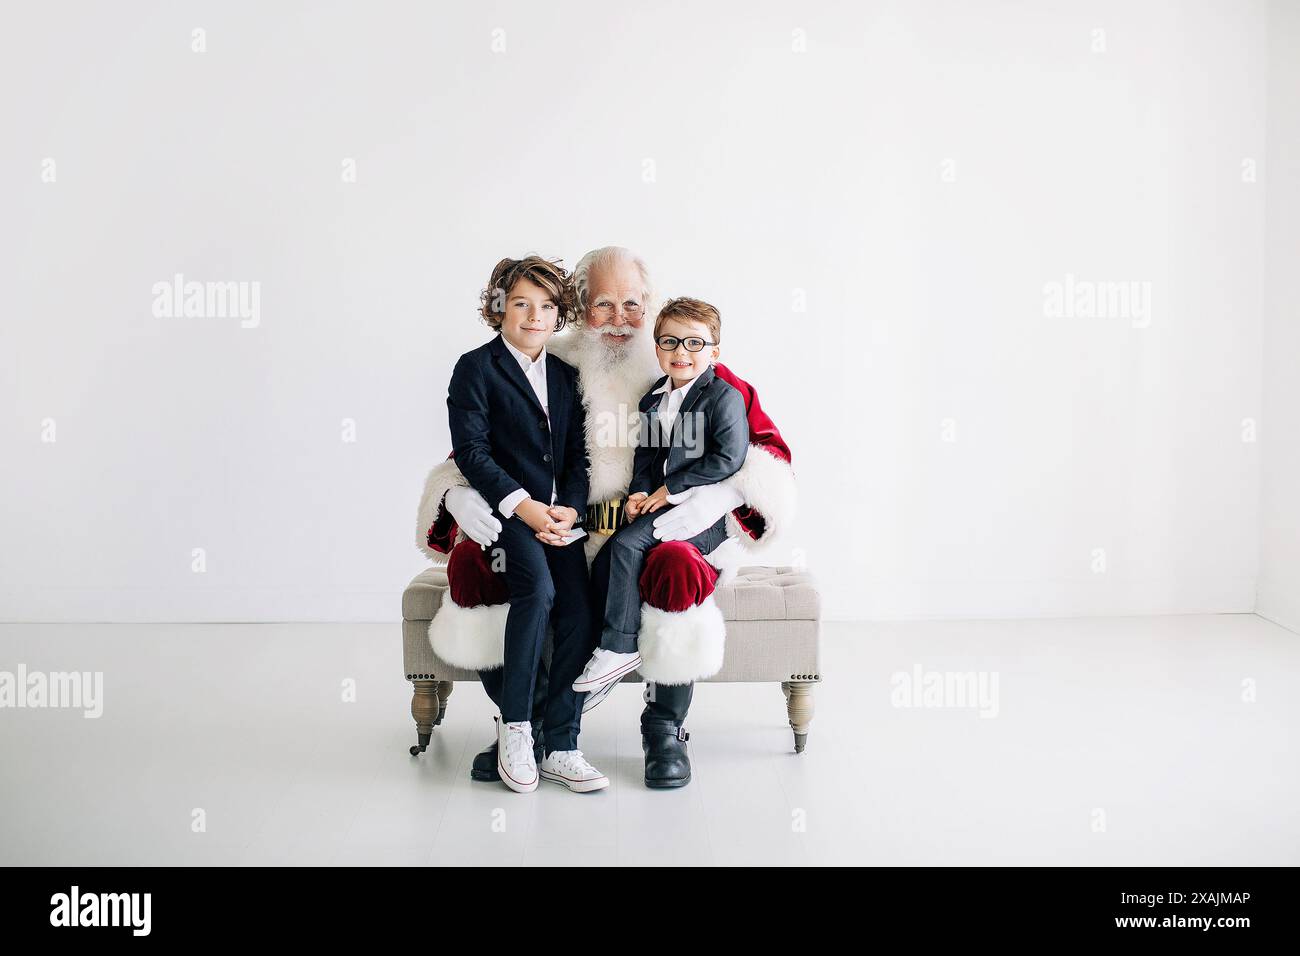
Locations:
(651, 400)
(650, 409)
(693, 396)
(697, 390)
(513, 372)
(557, 397)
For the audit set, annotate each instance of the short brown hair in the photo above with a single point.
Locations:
(691, 310)
(549, 274)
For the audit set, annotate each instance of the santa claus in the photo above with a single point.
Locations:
(682, 633)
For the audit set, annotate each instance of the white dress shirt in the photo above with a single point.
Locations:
(535, 372)
(669, 406)
(671, 403)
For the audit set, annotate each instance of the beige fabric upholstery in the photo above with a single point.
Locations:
(424, 594)
(772, 616)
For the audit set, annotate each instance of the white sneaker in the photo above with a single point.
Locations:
(605, 667)
(515, 760)
(596, 696)
(570, 768)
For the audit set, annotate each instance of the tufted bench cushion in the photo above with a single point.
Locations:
(772, 617)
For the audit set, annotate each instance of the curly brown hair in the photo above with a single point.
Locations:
(549, 274)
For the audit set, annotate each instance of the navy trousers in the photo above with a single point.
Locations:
(546, 584)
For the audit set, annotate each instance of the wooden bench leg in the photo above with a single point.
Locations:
(799, 707)
(445, 687)
(425, 704)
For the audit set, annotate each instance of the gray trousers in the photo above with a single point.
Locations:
(627, 551)
(662, 702)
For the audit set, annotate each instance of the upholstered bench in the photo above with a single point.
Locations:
(773, 618)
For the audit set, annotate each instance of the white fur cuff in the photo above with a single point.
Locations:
(678, 647)
(767, 484)
(470, 637)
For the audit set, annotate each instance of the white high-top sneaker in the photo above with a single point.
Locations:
(570, 769)
(515, 760)
(605, 667)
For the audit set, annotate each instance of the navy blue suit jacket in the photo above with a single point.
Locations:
(501, 440)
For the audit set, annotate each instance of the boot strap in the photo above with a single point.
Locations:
(667, 729)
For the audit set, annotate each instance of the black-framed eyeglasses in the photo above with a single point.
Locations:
(669, 343)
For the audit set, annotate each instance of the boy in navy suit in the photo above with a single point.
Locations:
(518, 437)
(694, 431)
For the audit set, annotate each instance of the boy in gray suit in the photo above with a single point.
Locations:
(693, 432)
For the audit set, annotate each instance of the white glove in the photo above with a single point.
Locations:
(473, 514)
(706, 505)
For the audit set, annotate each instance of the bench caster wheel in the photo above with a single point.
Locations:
(417, 749)
(800, 741)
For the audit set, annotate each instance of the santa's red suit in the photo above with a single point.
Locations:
(682, 633)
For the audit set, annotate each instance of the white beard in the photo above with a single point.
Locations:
(612, 381)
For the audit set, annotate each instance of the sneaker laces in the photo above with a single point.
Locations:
(574, 762)
(519, 741)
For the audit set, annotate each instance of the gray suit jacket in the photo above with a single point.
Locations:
(708, 441)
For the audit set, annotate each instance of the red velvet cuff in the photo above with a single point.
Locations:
(751, 520)
(442, 535)
(470, 578)
(676, 576)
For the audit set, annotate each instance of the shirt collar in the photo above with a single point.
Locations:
(679, 394)
(524, 361)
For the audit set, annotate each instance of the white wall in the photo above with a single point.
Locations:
(1279, 578)
(918, 174)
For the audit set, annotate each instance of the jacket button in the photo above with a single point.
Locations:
(543, 423)
(546, 457)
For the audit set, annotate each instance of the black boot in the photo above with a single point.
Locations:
(667, 764)
(484, 766)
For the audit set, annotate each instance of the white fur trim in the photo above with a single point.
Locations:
(444, 476)
(678, 647)
(767, 484)
(470, 637)
(564, 345)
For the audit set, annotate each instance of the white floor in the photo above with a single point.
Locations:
(1115, 741)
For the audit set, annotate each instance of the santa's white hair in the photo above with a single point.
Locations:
(608, 257)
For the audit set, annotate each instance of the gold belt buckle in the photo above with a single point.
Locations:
(603, 518)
